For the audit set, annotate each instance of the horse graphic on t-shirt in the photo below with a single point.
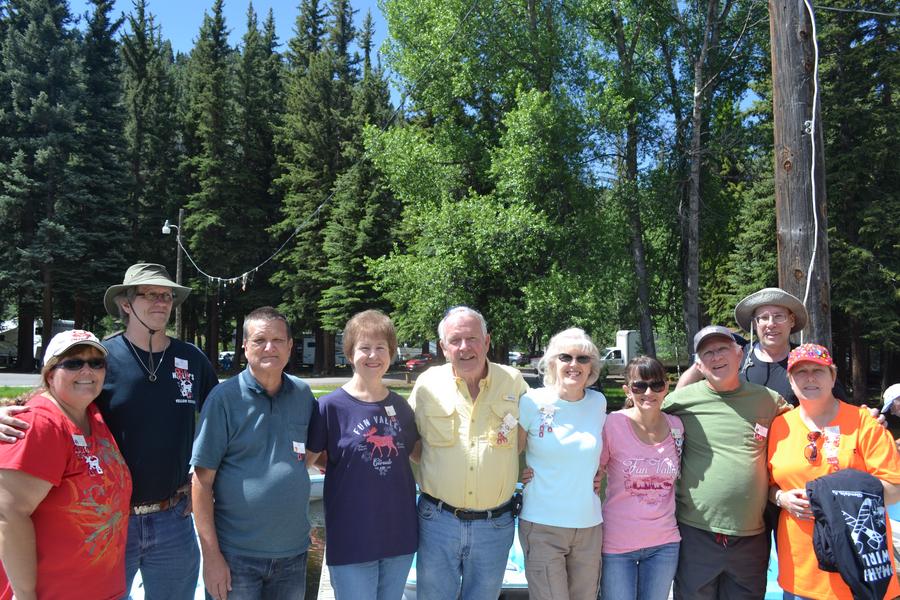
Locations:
(380, 442)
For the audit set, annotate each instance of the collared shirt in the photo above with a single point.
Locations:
(256, 444)
(470, 453)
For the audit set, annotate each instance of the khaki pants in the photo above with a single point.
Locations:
(561, 563)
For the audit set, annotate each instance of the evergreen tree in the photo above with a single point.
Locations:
(41, 72)
(151, 131)
(97, 217)
(365, 212)
(215, 207)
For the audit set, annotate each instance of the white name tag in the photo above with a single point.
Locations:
(79, 440)
(510, 421)
(761, 431)
(181, 363)
(390, 411)
(299, 448)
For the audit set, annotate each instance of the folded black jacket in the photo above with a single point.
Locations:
(850, 532)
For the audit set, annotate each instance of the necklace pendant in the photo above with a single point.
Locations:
(152, 377)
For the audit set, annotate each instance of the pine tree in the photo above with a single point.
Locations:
(310, 156)
(365, 212)
(215, 208)
(41, 72)
(151, 131)
(97, 217)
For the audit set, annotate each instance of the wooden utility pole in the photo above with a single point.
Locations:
(796, 207)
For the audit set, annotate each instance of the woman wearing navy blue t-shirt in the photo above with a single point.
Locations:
(368, 431)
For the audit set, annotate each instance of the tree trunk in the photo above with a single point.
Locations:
(212, 328)
(239, 344)
(860, 362)
(328, 358)
(25, 341)
(798, 212)
(46, 310)
(319, 361)
(692, 262)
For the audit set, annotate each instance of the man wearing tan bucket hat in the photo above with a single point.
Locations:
(770, 316)
(155, 384)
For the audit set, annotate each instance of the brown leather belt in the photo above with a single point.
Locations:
(148, 508)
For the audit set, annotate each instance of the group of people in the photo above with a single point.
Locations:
(105, 462)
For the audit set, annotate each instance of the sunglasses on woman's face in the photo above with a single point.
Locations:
(639, 387)
(580, 359)
(76, 364)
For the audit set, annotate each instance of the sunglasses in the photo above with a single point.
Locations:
(76, 364)
(567, 358)
(811, 451)
(639, 387)
(153, 297)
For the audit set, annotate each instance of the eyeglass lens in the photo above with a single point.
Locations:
(76, 364)
(580, 359)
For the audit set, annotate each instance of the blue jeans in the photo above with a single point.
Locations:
(461, 559)
(255, 578)
(646, 574)
(375, 580)
(164, 547)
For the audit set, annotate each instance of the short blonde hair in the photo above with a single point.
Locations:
(572, 337)
(373, 323)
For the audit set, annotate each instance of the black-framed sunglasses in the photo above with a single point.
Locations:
(581, 359)
(639, 387)
(76, 364)
(811, 451)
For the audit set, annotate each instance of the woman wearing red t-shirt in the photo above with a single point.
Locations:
(64, 488)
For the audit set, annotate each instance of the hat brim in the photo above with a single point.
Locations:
(179, 292)
(743, 312)
(90, 343)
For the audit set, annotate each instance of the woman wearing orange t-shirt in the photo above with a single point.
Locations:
(822, 436)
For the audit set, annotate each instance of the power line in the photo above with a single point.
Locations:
(857, 10)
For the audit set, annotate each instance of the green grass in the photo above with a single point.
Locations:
(8, 393)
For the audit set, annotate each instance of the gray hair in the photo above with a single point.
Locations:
(569, 338)
(459, 311)
(126, 296)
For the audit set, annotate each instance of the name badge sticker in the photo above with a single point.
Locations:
(79, 440)
(510, 421)
(181, 363)
(391, 412)
(760, 432)
(299, 449)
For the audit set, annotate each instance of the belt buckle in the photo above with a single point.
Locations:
(146, 509)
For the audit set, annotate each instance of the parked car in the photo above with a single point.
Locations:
(419, 362)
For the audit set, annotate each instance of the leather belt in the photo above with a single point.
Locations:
(469, 515)
(148, 508)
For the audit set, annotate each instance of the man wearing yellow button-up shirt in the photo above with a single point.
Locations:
(467, 413)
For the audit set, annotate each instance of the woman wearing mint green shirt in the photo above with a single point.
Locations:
(560, 427)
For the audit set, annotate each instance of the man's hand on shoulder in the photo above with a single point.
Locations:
(876, 414)
(11, 428)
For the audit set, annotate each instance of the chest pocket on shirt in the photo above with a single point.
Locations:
(439, 425)
(502, 436)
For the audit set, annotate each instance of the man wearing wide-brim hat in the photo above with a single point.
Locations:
(770, 316)
(155, 385)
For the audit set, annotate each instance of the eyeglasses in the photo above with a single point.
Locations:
(639, 387)
(777, 318)
(581, 359)
(811, 451)
(154, 297)
(76, 364)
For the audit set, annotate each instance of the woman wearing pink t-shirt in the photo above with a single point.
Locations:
(642, 459)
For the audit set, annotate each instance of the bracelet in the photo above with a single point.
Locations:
(778, 498)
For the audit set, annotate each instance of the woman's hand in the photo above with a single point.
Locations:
(527, 475)
(794, 502)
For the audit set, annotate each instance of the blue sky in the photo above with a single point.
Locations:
(180, 19)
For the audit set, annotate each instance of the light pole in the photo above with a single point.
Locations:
(167, 229)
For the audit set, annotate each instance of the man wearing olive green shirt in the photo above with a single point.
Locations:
(467, 412)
